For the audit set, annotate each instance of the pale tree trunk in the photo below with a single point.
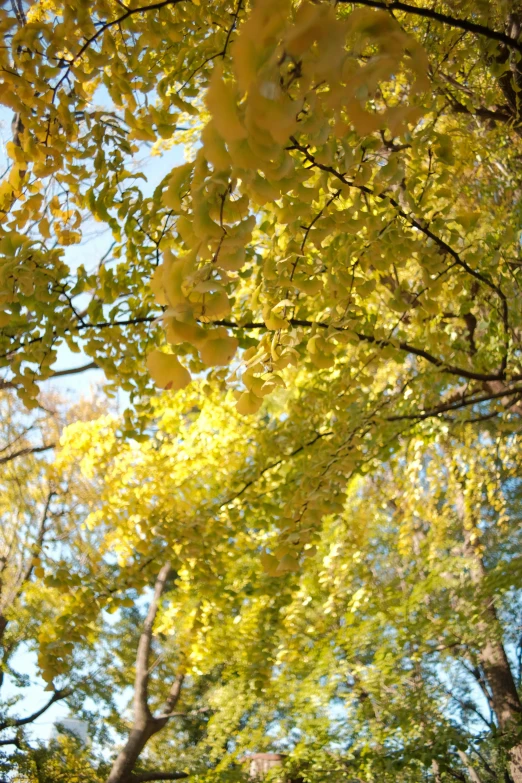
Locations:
(473, 774)
(145, 724)
(436, 771)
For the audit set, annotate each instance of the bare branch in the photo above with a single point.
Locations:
(75, 370)
(28, 450)
(11, 741)
(57, 696)
(57, 374)
(38, 543)
(22, 576)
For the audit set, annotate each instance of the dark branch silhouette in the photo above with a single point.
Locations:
(452, 21)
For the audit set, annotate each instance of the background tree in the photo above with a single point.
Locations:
(394, 643)
(44, 556)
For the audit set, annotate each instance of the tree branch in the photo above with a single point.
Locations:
(403, 346)
(473, 775)
(141, 706)
(75, 370)
(421, 226)
(142, 777)
(464, 402)
(11, 741)
(172, 699)
(57, 696)
(437, 16)
(28, 450)
(39, 540)
(192, 714)
(23, 577)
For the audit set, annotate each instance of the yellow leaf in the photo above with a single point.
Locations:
(363, 121)
(214, 148)
(178, 176)
(6, 194)
(288, 563)
(248, 403)
(308, 285)
(218, 350)
(231, 259)
(166, 371)
(213, 306)
(184, 331)
(173, 274)
(66, 237)
(156, 284)
(221, 102)
(272, 321)
(44, 228)
(270, 564)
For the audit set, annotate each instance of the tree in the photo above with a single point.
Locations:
(63, 760)
(409, 616)
(321, 192)
(393, 640)
(42, 550)
(317, 219)
(370, 645)
(83, 607)
(344, 238)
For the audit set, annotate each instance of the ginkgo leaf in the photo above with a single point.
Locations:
(288, 563)
(248, 403)
(189, 331)
(167, 371)
(156, 284)
(177, 179)
(270, 564)
(364, 122)
(218, 349)
(221, 102)
(308, 285)
(214, 148)
(213, 306)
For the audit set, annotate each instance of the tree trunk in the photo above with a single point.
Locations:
(473, 774)
(436, 771)
(505, 700)
(145, 723)
(3, 626)
(497, 671)
(121, 771)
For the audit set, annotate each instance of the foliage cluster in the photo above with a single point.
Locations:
(310, 540)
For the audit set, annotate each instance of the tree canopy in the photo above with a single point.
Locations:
(314, 528)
